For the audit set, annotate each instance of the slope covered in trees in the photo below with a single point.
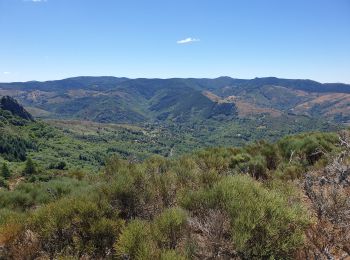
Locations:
(122, 100)
(13, 145)
(85, 144)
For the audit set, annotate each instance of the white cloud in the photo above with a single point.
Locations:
(6, 72)
(187, 40)
(35, 1)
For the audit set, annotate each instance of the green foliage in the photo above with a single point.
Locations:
(88, 144)
(3, 183)
(130, 190)
(257, 167)
(263, 223)
(135, 242)
(29, 195)
(308, 148)
(169, 227)
(13, 147)
(59, 166)
(80, 225)
(290, 171)
(5, 171)
(171, 255)
(29, 168)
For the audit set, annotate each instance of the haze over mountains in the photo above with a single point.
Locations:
(124, 100)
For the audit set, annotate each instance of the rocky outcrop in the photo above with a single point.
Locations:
(10, 104)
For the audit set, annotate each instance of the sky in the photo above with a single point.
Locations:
(55, 39)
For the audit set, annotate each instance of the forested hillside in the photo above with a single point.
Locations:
(86, 144)
(123, 100)
(171, 117)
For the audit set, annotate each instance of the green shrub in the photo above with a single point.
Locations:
(239, 159)
(270, 152)
(257, 167)
(3, 183)
(171, 255)
(114, 165)
(29, 168)
(309, 148)
(127, 192)
(264, 223)
(28, 195)
(216, 159)
(169, 227)
(135, 242)
(5, 171)
(156, 164)
(77, 225)
(290, 171)
(11, 228)
(186, 170)
(13, 147)
(130, 189)
(59, 166)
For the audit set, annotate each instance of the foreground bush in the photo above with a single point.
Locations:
(263, 223)
(73, 226)
(169, 227)
(135, 242)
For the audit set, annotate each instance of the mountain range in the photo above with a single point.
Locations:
(180, 100)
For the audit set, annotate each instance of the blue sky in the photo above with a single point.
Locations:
(54, 39)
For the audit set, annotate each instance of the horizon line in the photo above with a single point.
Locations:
(167, 78)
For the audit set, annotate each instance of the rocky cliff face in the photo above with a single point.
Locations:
(10, 104)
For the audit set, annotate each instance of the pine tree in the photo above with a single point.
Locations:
(5, 172)
(29, 169)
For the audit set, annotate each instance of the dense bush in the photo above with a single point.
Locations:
(80, 225)
(28, 195)
(135, 242)
(169, 227)
(59, 166)
(308, 148)
(263, 223)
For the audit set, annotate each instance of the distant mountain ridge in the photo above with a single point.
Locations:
(111, 81)
(124, 100)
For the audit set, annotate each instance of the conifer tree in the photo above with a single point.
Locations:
(5, 172)
(29, 169)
